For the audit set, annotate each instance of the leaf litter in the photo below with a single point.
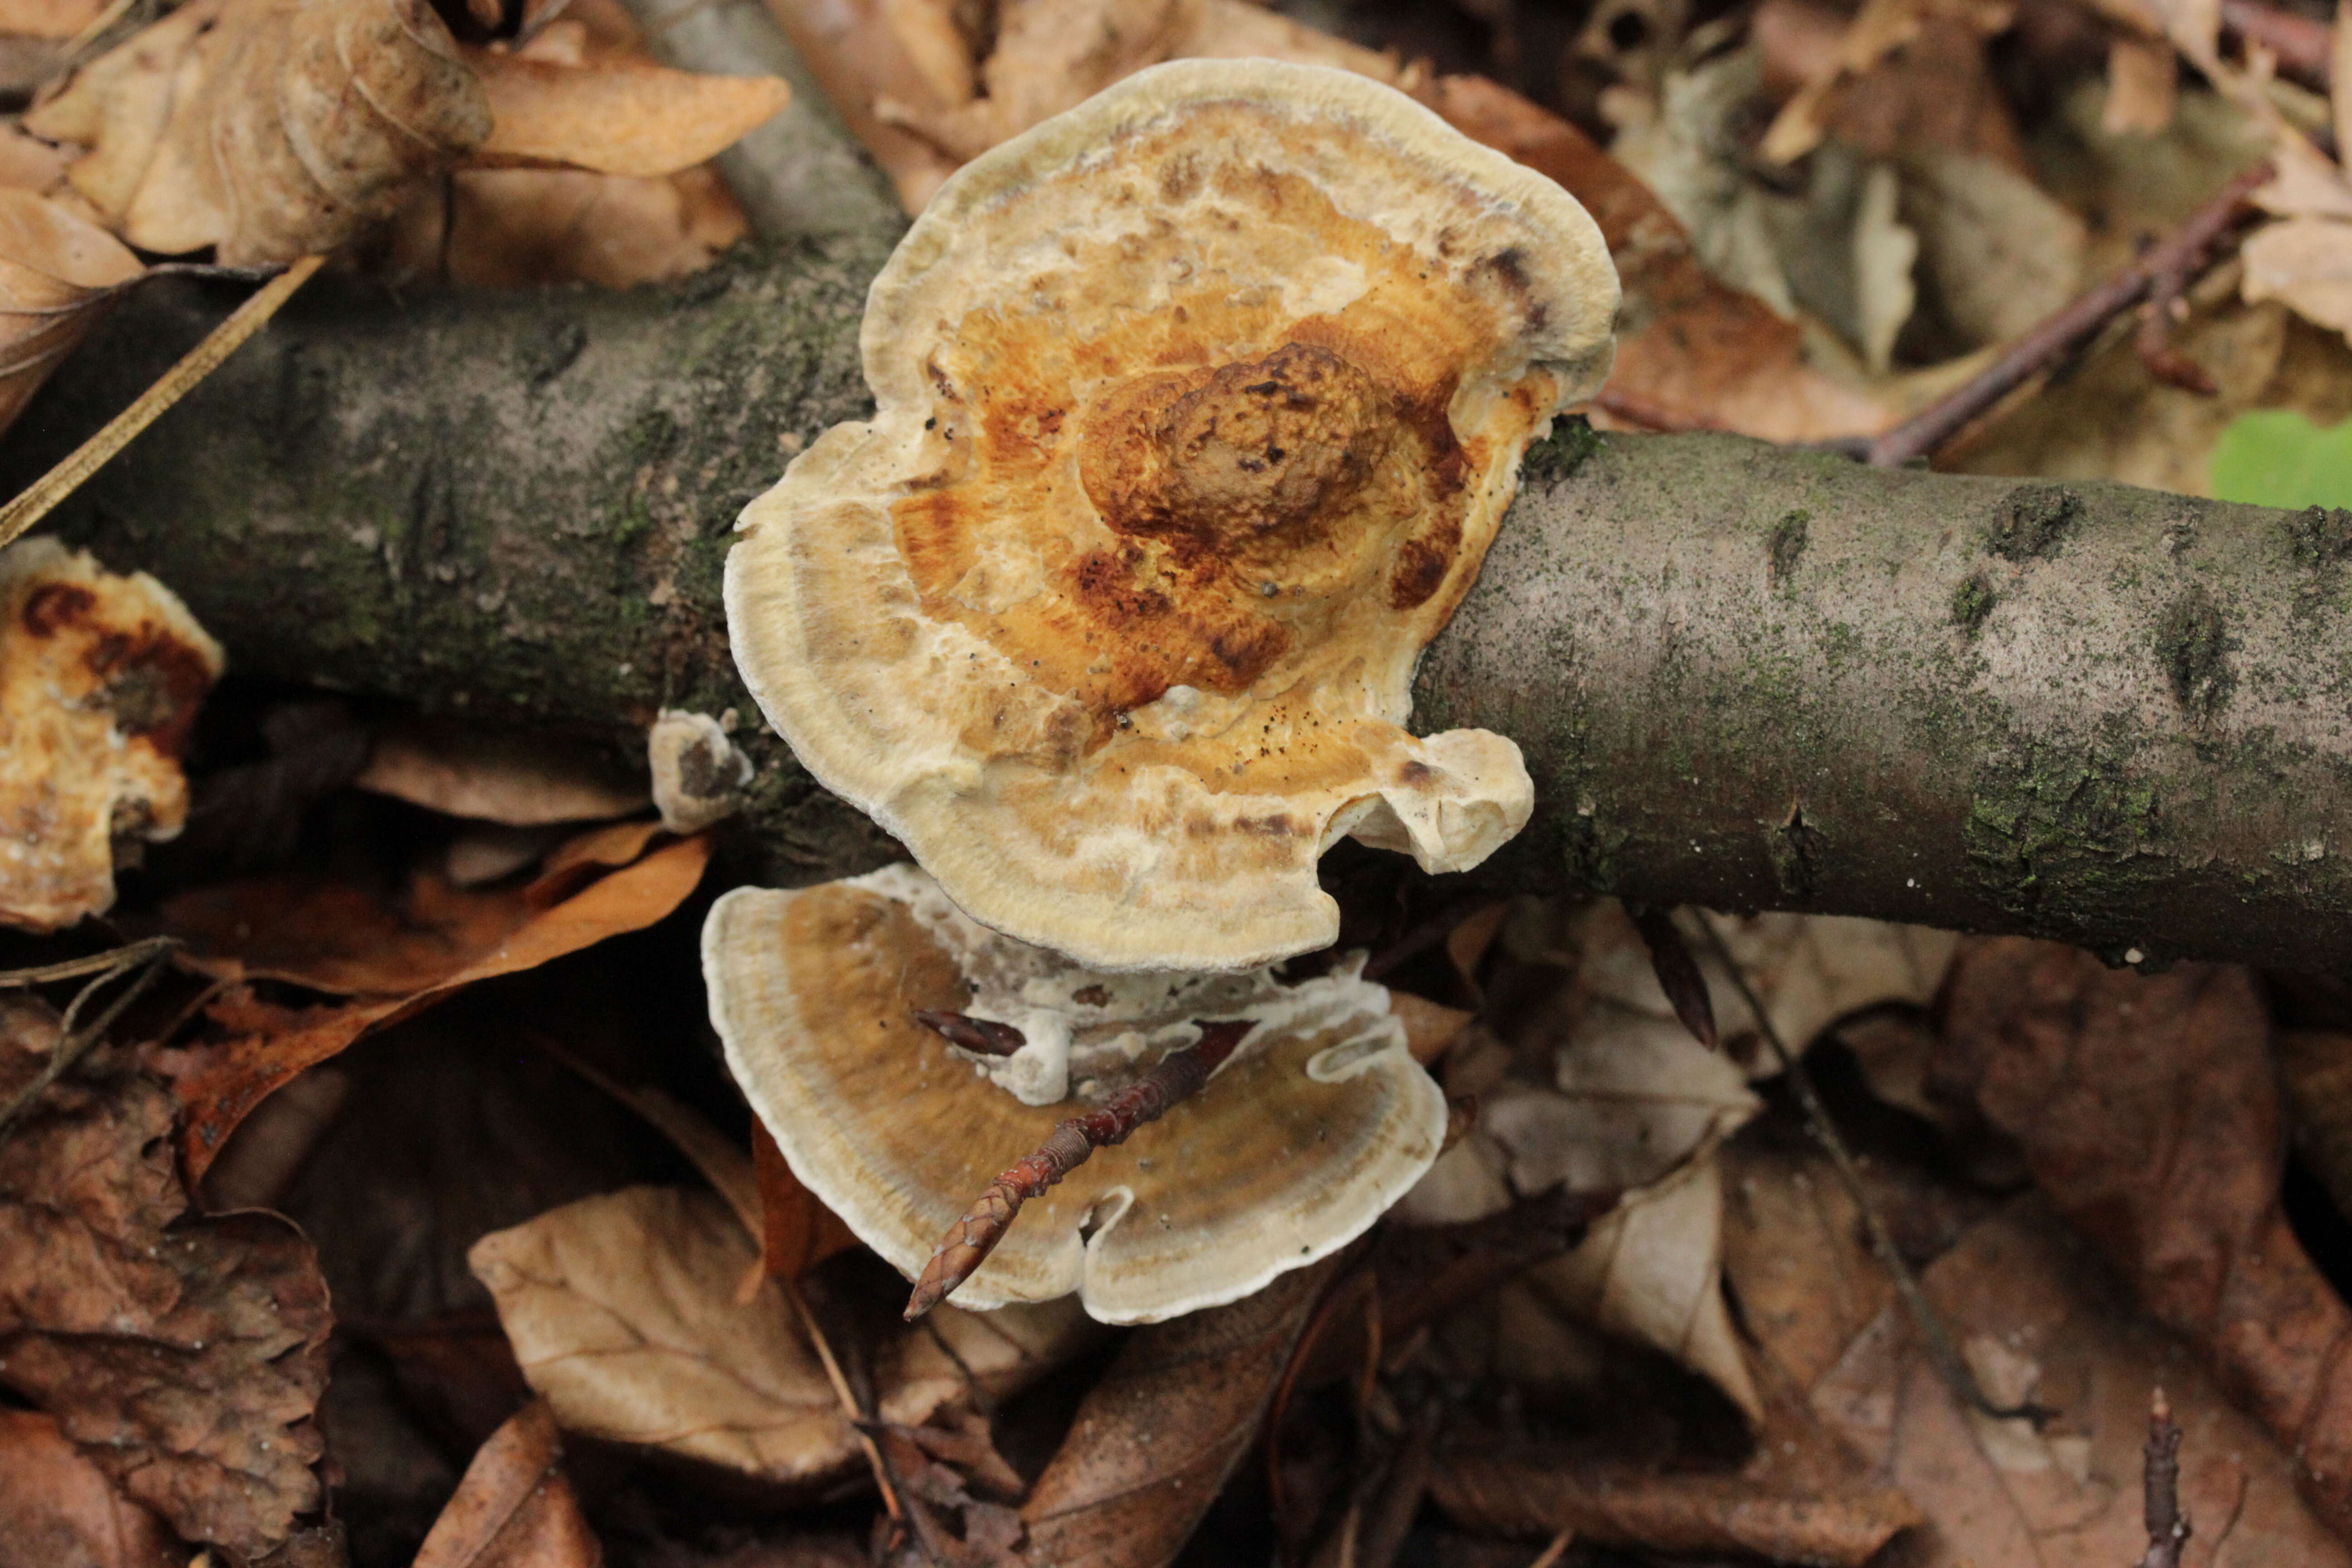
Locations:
(1631, 1308)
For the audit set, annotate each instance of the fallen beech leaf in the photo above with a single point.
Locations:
(1689, 345)
(2036, 1319)
(865, 51)
(57, 273)
(269, 128)
(1879, 29)
(1802, 1498)
(1429, 1026)
(511, 228)
(182, 1356)
(624, 1315)
(514, 1508)
(395, 969)
(100, 678)
(797, 1231)
(619, 117)
(1155, 1439)
(49, 18)
(2306, 262)
(522, 780)
(60, 1511)
(2148, 1109)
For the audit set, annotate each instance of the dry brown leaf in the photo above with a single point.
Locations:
(2037, 1320)
(512, 228)
(1690, 351)
(249, 930)
(797, 1231)
(2148, 1109)
(1155, 1439)
(613, 117)
(514, 1508)
(269, 128)
(625, 1315)
(100, 678)
(1802, 1498)
(58, 274)
(1879, 29)
(2143, 86)
(182, 1356)
(522, 780)
(908, 52)
(2306, 264)
(60, 1511)
(49, 18)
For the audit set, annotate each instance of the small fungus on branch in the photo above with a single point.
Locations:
(972, 1238)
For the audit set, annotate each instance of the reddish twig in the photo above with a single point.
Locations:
(2167, 1528)
(2169, 364)
(2304, 47)
(985, 1035)
(2180, 253)
(1677, 971)
(970, 1239)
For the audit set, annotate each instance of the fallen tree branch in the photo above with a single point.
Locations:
(1743, 677)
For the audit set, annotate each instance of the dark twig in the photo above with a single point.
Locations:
(2163, 305)
(1950, 1364)
(2304, 48)
(985, 1035)
(1677, 971)
(148, 958)
(2179, 254)
(2168, 1527)
(970, 1239)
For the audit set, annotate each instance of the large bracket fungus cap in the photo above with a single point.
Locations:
(1197, 408)
(1318, 1122)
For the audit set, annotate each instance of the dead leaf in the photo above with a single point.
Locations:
(1155, 1439)
(269, 129)
(2036, 1319)
(1802, 1498)
(1687, 345)
(613, 117)
(58, 274)
(625, 1316)
(1879, 29)
(49, 18)
(512, 228)
(2306, 264)
(522, 780)
(100, 678)
(514, 1508)
(2143, 86)
(797, 1231)
(60, 1511)
(2148, 1109)
(249, 930)
(908, 52)
(182, 1356)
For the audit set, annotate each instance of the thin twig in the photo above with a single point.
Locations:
(2181, 253)
(109, 962)
(858, 1415)
(1942, 1350)
(199, 361)
(2168, 1527)
(1556, 1548)
(148, 957)
(970, 1239)
(2166, 300)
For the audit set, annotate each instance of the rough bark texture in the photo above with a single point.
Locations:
(1743, 677)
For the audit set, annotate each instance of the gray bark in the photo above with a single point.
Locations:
(1743, 677)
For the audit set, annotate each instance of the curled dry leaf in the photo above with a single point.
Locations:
(1689, 345)
(269, 129)
(56, 274)
(60, 1511)
(100, 678)
(491, 775)
(182, 1356)
(333, 938)
(1155, 1439)
(625, 1315)
(2034, 1321)
(514, 1508)
(613, 117)
(2148, 1109)
(2306, 263)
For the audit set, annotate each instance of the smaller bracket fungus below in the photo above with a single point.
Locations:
(1196, 410)
(1317, 1122)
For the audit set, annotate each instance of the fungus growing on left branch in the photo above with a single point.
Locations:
(1197, 408)
(1317, 1120)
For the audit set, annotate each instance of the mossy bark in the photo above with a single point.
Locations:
(1743, 677)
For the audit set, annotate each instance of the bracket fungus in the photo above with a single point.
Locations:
(1317, 1122)
(1196, 409)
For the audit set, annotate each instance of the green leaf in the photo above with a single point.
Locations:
(2276, 457)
